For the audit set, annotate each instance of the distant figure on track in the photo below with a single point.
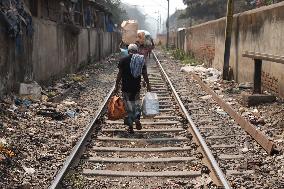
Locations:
(130, 70)
(150, 47)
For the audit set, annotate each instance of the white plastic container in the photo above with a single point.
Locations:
(150, 104)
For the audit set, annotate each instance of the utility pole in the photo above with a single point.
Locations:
(161, 22)
(168, 25)
(229, 26)
(158, 25)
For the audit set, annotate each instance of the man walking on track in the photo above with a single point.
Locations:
(130, 70)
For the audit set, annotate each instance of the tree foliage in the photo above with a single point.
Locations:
(114, 6)
(213, 9)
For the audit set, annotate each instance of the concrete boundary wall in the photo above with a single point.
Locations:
(51, 52)
(259, 30)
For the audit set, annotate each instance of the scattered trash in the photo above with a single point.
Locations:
(71, 114)
(99, 166)
(52, 114)
(28, 171)
(78, 78)
(27, 103)
(30, 90)
(255, 111)
(221, 112)
(3, 142)
(4, 150)
(12, 108)
(44, 98)
(10, 129)
(69, 103)
(198, 69)
(51, 94)
(212, 75)
(18, 101)
(207, 97)
(245, 150)
(242, 110)
(246, 85)
(31, 131)
(246, 147)
(233, 90)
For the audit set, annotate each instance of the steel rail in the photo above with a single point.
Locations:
(68, 162)
(269, 146)
(200, 139)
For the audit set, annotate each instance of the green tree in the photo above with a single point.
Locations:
(114, 6)
(204, 10)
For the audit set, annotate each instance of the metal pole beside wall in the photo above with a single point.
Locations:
(229, 26)
(257, 76)
(168, 25)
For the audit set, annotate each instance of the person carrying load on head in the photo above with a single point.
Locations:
(140, 42)
(131, 68)
(150, 46)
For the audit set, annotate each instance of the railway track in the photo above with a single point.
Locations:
(170, 151)
(245, 161)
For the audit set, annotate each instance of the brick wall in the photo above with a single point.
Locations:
(259, 30)
(269, 83)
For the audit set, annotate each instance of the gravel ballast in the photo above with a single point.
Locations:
(268, 170)
(42, 135)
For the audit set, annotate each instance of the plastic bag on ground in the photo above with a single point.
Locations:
(150, 105)
(116, 108)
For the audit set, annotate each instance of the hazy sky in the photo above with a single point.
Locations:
(151, 7)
